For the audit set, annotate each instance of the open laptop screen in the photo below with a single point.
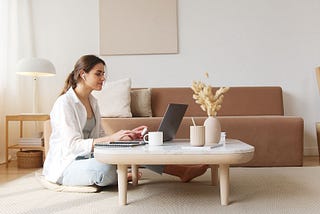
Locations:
(171, 120)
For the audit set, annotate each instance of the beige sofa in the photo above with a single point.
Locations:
(254, 115)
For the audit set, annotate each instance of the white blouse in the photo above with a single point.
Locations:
(68, 118)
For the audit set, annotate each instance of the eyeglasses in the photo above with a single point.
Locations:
(101, 74)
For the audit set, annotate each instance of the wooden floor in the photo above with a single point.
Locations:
(13, 172)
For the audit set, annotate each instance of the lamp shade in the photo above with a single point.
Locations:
(35, 67)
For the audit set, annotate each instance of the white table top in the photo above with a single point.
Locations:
(179, 147)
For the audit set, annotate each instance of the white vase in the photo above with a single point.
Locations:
(212, 131)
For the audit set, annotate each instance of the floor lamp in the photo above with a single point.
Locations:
(35, 67)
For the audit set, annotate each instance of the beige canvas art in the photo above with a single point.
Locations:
(138, 27)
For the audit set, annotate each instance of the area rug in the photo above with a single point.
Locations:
(252, 190)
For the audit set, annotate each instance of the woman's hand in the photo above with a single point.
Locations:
(122, 135)
(138, 132)
(128, 134)
(119, 135)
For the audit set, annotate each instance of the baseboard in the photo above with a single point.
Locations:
(311, 151)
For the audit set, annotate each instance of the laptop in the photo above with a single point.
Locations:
(169, 126)
(172, 119)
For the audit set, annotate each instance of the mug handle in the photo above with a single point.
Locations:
(144, 137)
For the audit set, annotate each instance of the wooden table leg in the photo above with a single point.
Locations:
(122, 183)
(214, 175)
(134, 171)
(224, 183)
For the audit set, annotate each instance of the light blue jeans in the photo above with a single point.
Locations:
(84, 172)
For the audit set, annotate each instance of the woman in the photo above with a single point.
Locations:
(76, 127)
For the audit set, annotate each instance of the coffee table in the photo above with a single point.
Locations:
(176, 152)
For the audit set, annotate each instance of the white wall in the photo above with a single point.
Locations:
(239, 42)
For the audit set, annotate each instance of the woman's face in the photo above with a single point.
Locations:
(95, 77)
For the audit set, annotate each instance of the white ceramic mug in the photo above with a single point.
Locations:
(154, 138)
(197, 135)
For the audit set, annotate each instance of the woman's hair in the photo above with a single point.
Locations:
(85, 63)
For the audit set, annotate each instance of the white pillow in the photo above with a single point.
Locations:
(114, 99)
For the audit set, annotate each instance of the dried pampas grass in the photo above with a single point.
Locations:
(203, 95)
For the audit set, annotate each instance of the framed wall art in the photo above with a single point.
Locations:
(138, 27)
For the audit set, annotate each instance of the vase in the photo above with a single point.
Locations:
(212, 131)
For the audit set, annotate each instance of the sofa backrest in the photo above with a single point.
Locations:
(238, 101)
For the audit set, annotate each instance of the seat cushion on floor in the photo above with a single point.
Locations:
(61, 188)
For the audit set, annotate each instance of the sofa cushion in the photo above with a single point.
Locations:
(114, 100)
(141, 102)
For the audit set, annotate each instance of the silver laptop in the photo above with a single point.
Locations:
(169, 126)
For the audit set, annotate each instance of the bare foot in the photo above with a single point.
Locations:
(129, 176)
(192, 172)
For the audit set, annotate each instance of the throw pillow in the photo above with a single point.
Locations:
(114, 99)
(141, 103)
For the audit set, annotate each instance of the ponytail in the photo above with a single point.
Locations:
(70, 82)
